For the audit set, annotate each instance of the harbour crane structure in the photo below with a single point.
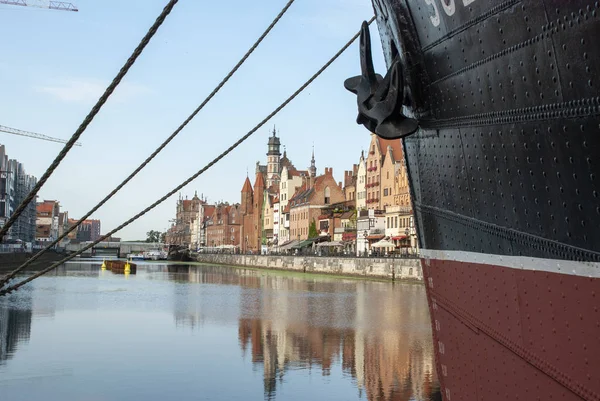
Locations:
(19, 132)
(52, 5)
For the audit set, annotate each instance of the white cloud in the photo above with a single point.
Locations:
(89, 90)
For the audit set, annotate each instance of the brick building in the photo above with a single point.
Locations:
(350, 178)
(309, 199)
(251, 206)
(88, 230)
(47, 221)
(224, 228)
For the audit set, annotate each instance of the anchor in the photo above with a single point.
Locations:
(379, 98)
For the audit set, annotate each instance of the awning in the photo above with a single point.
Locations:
(399, 237)
(330, 244)
(348, 236)
(374, 237)
(304, 244)
(288, 245)
(384, 243)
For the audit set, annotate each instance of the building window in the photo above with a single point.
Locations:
(396, 221)
(327, 196)
(385, 192)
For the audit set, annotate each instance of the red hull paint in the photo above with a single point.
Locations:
(510, 334)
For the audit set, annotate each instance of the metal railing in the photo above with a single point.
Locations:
(325, 253)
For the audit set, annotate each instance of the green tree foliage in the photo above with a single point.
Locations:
(153, 236)
(312, 230)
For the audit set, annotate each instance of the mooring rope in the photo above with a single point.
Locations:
(88, 119)
(16, 286)
(13, 273)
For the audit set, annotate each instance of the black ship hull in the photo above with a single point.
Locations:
(504, 176)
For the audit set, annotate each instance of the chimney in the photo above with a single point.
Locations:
(340, 185)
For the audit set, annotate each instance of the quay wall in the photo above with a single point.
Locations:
(378, 268)
(10, 261)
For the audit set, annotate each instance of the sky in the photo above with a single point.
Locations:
(55, 65)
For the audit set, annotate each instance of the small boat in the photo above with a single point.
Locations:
(155, 254)
(135, 256)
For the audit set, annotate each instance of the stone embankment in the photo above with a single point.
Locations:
(10, 261)
(377, 268)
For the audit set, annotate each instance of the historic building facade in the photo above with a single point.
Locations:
(225, 225)
(361, 183)
(251, 205)
(309, 200)
(180, 233)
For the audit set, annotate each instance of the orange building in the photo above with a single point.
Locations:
(380, 184)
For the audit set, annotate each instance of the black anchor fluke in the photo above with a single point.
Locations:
(379, 99)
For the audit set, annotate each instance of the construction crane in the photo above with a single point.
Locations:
(52, 5)
(15, 131)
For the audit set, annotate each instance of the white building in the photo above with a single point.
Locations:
(290, 180)
(198, 227)
(400, 228)
(361, 182)
(276, 221)
(370, 228)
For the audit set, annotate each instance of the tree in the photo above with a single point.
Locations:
(153, 236)
(163, 238)
(312, 230)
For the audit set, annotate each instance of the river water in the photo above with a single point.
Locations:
(190, 332)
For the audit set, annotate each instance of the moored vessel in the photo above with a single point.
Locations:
(120, 266)
(497, 104)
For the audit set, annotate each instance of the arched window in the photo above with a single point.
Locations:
(327, 196)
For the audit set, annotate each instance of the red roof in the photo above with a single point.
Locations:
(247, 186)
(297, 173)
(260, 181)
(209, 210)
(396, 145)
(46, 207)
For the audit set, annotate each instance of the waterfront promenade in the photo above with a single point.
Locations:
(376, 268)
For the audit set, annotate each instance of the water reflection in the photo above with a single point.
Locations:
(237, 327)
(15, 326)
(378, 333)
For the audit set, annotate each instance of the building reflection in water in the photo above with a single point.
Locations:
(15, 325)
(378, 333)
(18, 310)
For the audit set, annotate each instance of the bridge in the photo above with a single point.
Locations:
(114, 249)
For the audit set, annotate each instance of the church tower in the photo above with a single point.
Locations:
(247, 197)
(313, 167)
(273, 156)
